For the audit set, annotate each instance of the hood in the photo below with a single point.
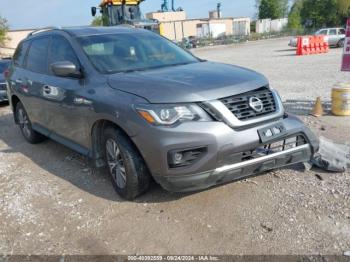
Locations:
(195, 82)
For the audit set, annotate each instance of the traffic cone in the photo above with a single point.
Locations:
(318, 109)
(299, 46)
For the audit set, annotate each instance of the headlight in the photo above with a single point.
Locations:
(171, 114)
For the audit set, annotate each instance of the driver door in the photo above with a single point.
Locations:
(67, 119)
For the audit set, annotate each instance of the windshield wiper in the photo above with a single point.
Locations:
(184, 63)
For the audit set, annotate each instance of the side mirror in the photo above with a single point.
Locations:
(93, 11)
(66, 69)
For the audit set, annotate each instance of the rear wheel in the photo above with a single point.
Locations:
(130, 176)
(25, 126)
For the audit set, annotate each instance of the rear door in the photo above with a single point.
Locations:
(17, 70)
(333, 37)
(32, 82)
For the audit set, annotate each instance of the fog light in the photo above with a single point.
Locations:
(186, 157)
(178, 158)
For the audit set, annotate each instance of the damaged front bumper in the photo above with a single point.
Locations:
(236, 171)
(231, 154)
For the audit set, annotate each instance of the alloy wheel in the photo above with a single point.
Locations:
(24, 122)
(116, 163)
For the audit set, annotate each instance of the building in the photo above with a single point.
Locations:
(175, 25)
(268, 25)
(241, 26)
(178, 30)
(167, 16)
(14, 37)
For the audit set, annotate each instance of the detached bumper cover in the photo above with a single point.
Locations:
(236, 171)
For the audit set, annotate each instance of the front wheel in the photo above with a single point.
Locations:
(130, 176)
(341, 43)
(25, 126)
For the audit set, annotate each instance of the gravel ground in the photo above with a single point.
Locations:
(52, 202)
(295, 77)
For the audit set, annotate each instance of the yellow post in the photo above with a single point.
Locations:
(341, 100)
(161, 29)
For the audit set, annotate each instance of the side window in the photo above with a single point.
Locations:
(20, 54)
(333, 32)
(323, 32)
(61, 50)
(341, 31)
(37, 56)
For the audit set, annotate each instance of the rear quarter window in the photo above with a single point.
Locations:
(20, 54)
(342, 31)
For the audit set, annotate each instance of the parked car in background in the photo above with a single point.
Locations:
(137, 103)
(4, 64)
(190, 42)
(335, 36)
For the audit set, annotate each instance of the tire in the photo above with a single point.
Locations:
(341, 43)
(25, 126)
(129, 173)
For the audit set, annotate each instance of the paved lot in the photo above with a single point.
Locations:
(52, 202)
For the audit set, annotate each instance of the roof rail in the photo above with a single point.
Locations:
(43, 30)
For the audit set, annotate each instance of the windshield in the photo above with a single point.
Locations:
(3, 66)
(125, 52)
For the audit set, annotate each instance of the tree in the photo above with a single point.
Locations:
(3, 30)
(343, 7)
(98, 21)
(294, 19)
(344, 10)
(324, 13)
(318, 13)
(273, 9)
(284, 7)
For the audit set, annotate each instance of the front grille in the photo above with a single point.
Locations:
(239, 104)
(2, 86)
(276, 147)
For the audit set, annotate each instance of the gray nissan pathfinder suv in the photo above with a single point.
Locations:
(137, 103)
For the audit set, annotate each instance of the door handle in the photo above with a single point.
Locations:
(47, 90)
(51, 92)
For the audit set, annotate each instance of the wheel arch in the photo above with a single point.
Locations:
(97, 130)
(14, 101)
(341, 40)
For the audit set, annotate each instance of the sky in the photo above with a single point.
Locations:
(35, 13)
